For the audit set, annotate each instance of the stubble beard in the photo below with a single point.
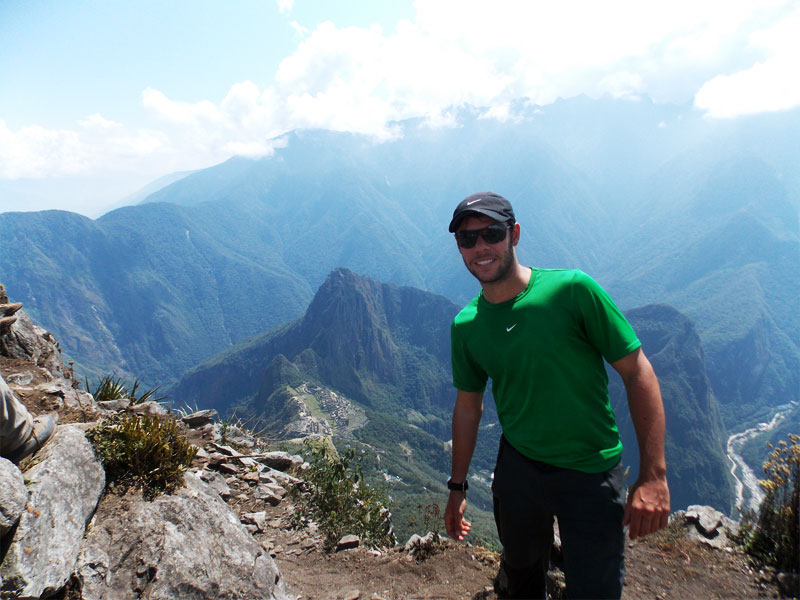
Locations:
(503, 270)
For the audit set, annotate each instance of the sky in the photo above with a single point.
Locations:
(100, 97)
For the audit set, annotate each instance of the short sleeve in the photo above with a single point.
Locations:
(467, 375)
(604, 324)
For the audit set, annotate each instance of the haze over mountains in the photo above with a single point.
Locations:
(657, 203)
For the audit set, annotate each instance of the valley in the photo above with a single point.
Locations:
(218, 288)
(749, 493)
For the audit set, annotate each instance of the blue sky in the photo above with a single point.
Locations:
(97, 98)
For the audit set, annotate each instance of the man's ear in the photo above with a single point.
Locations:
(515, 230)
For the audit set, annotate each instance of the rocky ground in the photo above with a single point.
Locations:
(673, 564)
(668, 565)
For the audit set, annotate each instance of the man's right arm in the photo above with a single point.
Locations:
(466, 418)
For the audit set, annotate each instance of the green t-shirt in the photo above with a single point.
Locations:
(543, 351)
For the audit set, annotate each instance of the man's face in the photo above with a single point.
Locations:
(489, 263)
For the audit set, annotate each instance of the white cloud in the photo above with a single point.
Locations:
(96, 144)
(742, 53)
(299, 29)
(769, 85)
(285, 6)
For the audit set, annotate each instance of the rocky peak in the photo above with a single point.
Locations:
(345, 324)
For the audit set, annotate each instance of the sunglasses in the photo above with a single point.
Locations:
(492, 234)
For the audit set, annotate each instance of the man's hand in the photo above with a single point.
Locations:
(647, 509)
(457, 527)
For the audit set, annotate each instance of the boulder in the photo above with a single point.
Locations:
(281, 461)
(29, 342)
(115, 405)
(200, 418)
(64, 486)
(709, 526)
(186, 545)
(151, 408)
(348, 542)
(706, 519)
(13, 495)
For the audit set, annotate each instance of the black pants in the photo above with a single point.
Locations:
(589, 508)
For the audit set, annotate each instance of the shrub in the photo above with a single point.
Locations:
(142, 452)
(775, 536)
(114, 388)
(341, 502)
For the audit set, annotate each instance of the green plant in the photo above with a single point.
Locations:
(115, 388)
(143, 452)
(340, 501)
(429, 517)
(774, 537)
(232, 426)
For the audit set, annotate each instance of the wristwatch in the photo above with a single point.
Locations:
(457, 487)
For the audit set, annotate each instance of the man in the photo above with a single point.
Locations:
(541, 336)
(20, 434)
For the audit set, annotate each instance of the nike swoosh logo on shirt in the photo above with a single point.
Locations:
(512, 327)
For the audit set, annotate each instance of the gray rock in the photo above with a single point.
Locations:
(30, 342)
(262, 492)
(348, 542)
(154, 409)
(66, 395)
(20, 378)
(259, 519)
(281, 461)
(13, 495)
(115, 405)
(217, 483)
(709, 526)
(706, 519)
(226, 450)
(279, 477)
(200, 418)
(276, 489)
(65, 486)
(186, 545)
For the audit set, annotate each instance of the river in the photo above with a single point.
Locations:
(748, 490)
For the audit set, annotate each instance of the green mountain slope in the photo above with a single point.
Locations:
(369, 363)
(657, 203)
(697, 467)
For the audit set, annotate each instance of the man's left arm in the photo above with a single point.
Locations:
(647, 509)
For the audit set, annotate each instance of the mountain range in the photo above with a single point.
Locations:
(657, 203)
(369, 362)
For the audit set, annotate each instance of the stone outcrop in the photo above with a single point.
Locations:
(191, 544)
(65, 485)
(13, 495)
(708, 526)
(186, 545)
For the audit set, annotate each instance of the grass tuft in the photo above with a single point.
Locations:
(142, 452)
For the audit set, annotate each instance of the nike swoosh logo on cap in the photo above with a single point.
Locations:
(474, 201)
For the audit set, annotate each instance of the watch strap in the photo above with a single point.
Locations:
(457, 487)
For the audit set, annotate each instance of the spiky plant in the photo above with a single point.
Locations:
(142, 452)
(115, 388)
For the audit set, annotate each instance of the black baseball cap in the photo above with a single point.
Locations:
(490, 204)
